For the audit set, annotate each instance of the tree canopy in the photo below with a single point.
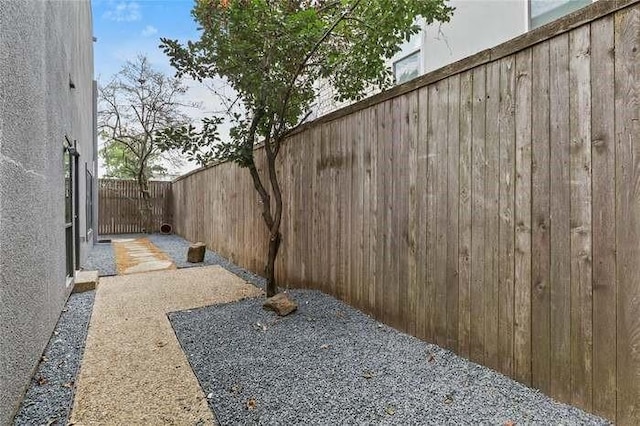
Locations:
(136, 104)
(272, 53)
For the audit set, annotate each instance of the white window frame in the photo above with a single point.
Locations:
(417, 53)
(569, 6)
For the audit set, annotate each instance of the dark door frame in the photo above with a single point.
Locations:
(72, 242)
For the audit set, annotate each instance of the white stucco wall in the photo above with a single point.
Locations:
(43, 44)
(475, 26)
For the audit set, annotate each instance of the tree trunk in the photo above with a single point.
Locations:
(270, 270)
(143, 184)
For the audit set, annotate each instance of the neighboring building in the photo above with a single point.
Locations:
(475, 25)
(47, 165)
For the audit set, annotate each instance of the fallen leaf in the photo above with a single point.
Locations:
(251, 404)
(509, 423)
(431, 358)
(367, 375)
(42, 381)
(325, 346)
(161, 344)
(390, 410)
(44, 358)
(448, 399)
(68, 385)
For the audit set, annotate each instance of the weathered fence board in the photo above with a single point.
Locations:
(491, 207)
(120, 206)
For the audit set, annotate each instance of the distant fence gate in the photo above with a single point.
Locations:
(120, 206)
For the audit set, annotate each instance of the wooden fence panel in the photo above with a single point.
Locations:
(490, 207)
(120, 206)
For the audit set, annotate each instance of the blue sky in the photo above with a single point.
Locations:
(125, 28)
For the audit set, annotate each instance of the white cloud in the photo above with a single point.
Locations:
(149, 30)
(124, 12)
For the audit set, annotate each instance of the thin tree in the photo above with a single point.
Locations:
(134, 106)
(272, 52)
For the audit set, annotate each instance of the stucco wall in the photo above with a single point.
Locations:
(42, 45)
(475, 26)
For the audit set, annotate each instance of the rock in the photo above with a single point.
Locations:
(196, 252)
(281, 304)
(85, 281)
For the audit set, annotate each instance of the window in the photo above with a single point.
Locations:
(89, 201)
(67, 170)
(407, 68)
(545, 11)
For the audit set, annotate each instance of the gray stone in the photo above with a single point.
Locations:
(85, 281)
(281, 304)
(196, 252)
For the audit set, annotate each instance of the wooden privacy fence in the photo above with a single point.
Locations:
(120, 206)
(491, 207)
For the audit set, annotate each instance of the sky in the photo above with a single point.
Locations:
(126, 28)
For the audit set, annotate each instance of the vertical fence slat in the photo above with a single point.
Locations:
(627, 125)
(453, 154)
(492, 223)
(560, 207)
(478, 207)
(581, 256)
(506, 211)
(540, 250)
(440, 198)
(422, 200)
(464, 236)
(604, 226)
(522, 284)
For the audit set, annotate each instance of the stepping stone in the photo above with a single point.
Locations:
(153, 265)
(85, 281)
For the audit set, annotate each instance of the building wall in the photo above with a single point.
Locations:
(475, 26)
(43, 45)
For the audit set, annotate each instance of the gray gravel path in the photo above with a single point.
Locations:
(330, 364)
(176, 247)
(101, 257)
(50, 395)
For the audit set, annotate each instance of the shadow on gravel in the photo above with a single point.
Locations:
(50, 395)
(330, 364)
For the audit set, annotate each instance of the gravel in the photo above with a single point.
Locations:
(50, 394)
(102, 259)
(176, 247)
(331, 364)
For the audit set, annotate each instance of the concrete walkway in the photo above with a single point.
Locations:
(133, 370)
